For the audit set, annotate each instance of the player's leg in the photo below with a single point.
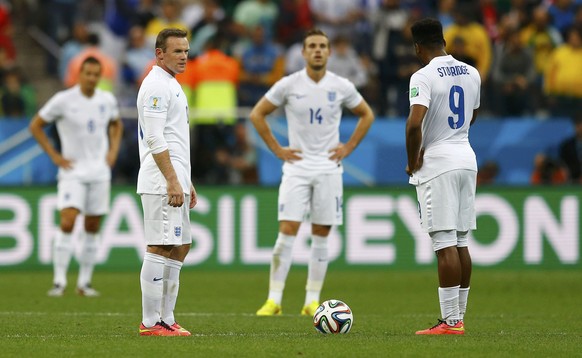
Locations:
(160, 241)
(96, 206)
(88, 256)
(326, 211)
(438, 199)
(467, 222)
(172, 270)
(70, 197)
(293, 199)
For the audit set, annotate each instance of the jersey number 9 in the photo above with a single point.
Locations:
(457, 106)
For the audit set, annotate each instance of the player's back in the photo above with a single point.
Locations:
(450, 89)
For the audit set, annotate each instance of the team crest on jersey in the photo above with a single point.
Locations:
(331, 96)
(414, 92)
(177, 231)
(102, 108)
(154, 103)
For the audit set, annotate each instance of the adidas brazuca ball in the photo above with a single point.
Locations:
(333, 316)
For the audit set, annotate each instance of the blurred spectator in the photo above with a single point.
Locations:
(72, 47)
(144, 13)
(487, 173)
(211, 22)
(293, 21)
(489, 17)
(542, 39)
(250, 14)
(388, 23)
(18, 98)
(562, 13)
(238, 164)
(478, 44)
(513, 76)
(58, 17)
(262, 64)
(169, 16)
(210, 81)
(445, 12)
(138, 56)
(344, 61)
(548, 171)
(294, 60)
(108, 65)
(563, 75)
(337, 17)
(6, 31)
(570, 151)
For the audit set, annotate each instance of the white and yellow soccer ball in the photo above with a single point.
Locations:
(333, 316)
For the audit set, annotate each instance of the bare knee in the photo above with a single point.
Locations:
(68, 217)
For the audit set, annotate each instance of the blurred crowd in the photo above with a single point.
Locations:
(529, 54)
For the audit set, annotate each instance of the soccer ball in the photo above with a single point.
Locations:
(333, 316)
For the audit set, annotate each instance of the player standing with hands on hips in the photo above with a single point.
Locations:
(444, 100)
(312, 171)
(90, 130)
(164, 183)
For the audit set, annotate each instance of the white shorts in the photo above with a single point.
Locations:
(320, 195)
(447, 202)
(165, 224)
(91, 199)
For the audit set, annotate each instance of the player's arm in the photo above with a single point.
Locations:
(154, 138)
(414, 137)
(36, 128)
(193, 196)
(258, 117)
(366, 118)
(115, 132)
(475, 113)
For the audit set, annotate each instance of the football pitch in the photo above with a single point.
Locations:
(523, 313)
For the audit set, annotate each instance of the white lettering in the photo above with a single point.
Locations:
(17, 229)
(226, 207)
(540, 222)
(202, 243)
(408, 213)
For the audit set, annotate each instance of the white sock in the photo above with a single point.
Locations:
(89, 245)
(62, 252)
(171, 287)
(316, 269)
(280, 264)
(449, 300)
(463, 295)
(152, 288)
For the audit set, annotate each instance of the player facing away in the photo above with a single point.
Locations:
(89, 129)
(444, 99)
(164, 183)
(312, 171)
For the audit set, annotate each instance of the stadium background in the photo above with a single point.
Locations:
(521, 225)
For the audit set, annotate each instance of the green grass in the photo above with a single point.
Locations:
(510, 314)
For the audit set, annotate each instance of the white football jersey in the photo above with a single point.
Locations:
(82, 123)
(161, 97)
(450, 89)
(313, 112)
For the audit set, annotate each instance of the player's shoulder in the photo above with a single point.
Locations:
(335, 78)
(66, 95)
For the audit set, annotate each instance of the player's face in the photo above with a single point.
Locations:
(175, 57)
(316, 51)
(89, 76)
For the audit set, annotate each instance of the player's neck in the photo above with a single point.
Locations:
(315, 75)
(87, 92)
(434, 54)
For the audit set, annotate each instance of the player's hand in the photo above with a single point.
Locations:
(175, 194)
(288, 155)
(193, 197)
(62, 162)
(340, 152)
(419, 163)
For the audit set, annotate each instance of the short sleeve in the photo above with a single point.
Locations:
(352, 97)
(419, 90)
(53, 109)
(114, 107)
(276, 94)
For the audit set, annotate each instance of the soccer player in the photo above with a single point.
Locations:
(89, 129)
(444, 99)
(164, 183)
(312, 171)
